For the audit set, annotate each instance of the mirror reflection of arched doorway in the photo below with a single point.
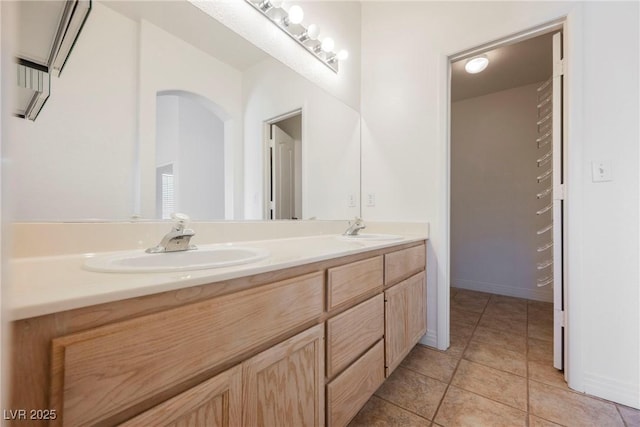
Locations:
(190, 156)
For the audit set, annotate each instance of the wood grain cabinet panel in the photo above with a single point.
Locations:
(214, 403)
(101, 372)
(405, 319)
(348, 282)
(351, 389)
(284, 386)
(404, 263)
(351, 333)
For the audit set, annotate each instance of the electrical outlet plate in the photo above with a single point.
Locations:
(371, 199)
(351, 200)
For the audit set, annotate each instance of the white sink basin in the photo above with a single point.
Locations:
(198, 259)
(372, 237)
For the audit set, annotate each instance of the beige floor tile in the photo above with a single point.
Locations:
(491, 383)
(544, 372)
(514, 324)
(540, 306)
(570, 408)
(630, 416)
(462, 408)
(539, 422)
(504, 339)
(457, 344)
(544, 333)
(458, 315)
(412, 391)
(507, 304)
(431, 363)
(470, 293)
(540, 351)
(379, 413)
(472, 303)
(496, 357)
(503, 310)
(461, 330)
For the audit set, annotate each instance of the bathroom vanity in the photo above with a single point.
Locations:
(304, 344)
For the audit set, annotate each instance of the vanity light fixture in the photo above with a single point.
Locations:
(476, 64)
(291, 23)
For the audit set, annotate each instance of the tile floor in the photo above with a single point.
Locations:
(497, 372)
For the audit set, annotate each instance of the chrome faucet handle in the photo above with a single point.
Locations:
(354, 227)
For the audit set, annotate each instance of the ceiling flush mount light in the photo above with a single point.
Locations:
(290, 21)
(477, 64)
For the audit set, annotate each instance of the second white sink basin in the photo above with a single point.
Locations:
(198, 259)
(372, 237)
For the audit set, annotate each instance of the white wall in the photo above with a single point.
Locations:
(201, 183)
(191, 138)
(167, 64)
(75, 161)
(338, 19)
(405, 158)
(330, 141)
(493, 195)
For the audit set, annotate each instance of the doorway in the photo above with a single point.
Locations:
(507, 179)
(283, 166)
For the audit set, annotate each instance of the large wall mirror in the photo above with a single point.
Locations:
(161, 108)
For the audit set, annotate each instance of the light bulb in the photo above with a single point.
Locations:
(328, 44)
(342, 55)
(296, 14)
(313, 31)
(477, 64)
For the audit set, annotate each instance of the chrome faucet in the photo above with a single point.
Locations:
(177, 239)
(354, 227)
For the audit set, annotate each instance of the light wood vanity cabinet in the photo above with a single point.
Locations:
(215, 403)
(284, 385)
(305, 346)
(405, 319)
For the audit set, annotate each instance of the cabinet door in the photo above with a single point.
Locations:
(214, 403)
(284, 385)
(405, 319)
(395, 329)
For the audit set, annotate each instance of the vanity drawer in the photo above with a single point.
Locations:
(350, 333)
(404, 263)
(348, 282)
(351, 389)
(100, 372)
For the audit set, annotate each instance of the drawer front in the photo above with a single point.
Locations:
(404, 263)
(350, 333)
(348, 282)
(350, 390)
(100, 372)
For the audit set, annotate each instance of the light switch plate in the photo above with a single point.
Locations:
(351, 200)
(601, 171)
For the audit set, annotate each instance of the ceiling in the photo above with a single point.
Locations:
(187, 22)
(510, 66)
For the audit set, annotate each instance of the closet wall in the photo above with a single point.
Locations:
(493, 194)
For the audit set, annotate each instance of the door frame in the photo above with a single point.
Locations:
(443, 316)
(266, 164)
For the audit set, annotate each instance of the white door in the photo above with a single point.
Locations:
(283, 174)
(559, 329)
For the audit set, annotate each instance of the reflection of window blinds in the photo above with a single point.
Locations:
(168, 201)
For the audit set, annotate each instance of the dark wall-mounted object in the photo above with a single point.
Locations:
(33, 88)
(33, 76)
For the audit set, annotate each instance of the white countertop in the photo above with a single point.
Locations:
(45, 285)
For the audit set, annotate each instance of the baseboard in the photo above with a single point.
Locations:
(624, 393)
(493, 288)
(430, 339)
